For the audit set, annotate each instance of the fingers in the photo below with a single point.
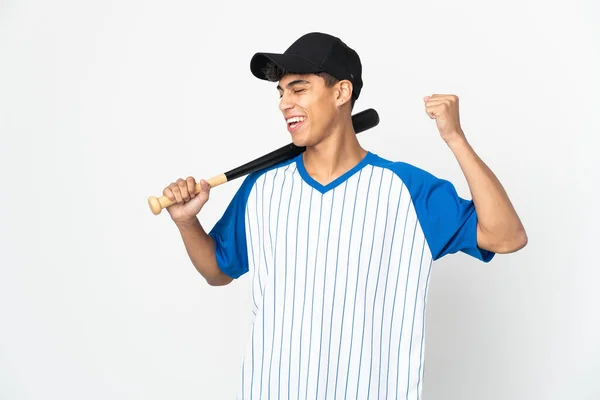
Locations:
(451, 97)
(191, 186)
(440, 99)
(181, 191)
(437, 104)
(434, 102)
(175, 191)
(436, 109)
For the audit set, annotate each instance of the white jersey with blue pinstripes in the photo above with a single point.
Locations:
(339, 276)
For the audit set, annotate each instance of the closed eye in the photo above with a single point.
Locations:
(295, 91)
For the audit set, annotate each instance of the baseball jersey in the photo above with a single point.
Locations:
(339, 275)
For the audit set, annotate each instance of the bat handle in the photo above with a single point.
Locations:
(158, 203)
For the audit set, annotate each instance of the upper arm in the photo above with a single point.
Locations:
(229, 235)
(449, 222)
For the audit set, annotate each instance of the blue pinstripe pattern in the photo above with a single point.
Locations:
(294, 292)
(313, 295)
(404, 306)
(337, 369)
(366, 285)
(364, 259)
(305, 283)
(423, 329)
(253, 300)
(252, 255)
(260, 237)
(257, 271)
(356, 290)
(334, 287)
(412, 329)
(262, 362)
(385, 291)
(266, 267)
(394, 302)
(387, 207)
(269, 215)
(275, 281)
(324, 288)
(285, 269)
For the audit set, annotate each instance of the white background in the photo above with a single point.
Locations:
(104, 103)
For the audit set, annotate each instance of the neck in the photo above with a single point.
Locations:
(339, 152)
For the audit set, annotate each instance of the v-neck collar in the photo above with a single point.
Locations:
(337, 181)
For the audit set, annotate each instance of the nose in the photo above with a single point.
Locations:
(285, 103)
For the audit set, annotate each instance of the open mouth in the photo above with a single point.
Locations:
(294, 123)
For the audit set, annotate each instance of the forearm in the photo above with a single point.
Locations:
(201, 250)
(499, 228)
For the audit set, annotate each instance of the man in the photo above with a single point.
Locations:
(339, 242)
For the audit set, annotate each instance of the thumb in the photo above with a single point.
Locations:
(204, 190)
(201, 197)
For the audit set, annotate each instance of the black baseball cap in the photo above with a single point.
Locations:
(313, 53)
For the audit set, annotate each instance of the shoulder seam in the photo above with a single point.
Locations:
(389, 165)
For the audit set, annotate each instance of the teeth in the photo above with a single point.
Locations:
(295, 119)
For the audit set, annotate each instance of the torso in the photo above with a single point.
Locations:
(339, 282)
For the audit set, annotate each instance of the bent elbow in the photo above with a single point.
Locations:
(502, 243)
(513, 244)
(220, 280)
(521, 240)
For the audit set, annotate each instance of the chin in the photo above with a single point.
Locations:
(300, 142)
(301, 139)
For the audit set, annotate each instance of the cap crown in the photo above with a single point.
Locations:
(331, 55)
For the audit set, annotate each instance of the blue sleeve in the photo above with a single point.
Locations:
(449, 222)
(229, 233)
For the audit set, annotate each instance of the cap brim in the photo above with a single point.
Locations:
(288, 62)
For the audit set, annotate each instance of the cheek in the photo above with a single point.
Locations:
(320, 109)
(323, 114)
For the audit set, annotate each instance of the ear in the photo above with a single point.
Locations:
(344, 92)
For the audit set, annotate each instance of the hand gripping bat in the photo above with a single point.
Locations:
(361, 121)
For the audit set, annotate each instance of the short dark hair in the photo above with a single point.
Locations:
(274, 73)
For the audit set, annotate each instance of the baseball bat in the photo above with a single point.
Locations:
(361, 121)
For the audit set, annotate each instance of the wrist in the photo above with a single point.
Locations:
(187, 223)
(457, 142)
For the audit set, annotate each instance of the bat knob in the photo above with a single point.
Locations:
(154, 205)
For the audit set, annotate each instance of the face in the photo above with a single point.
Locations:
(308, 106)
